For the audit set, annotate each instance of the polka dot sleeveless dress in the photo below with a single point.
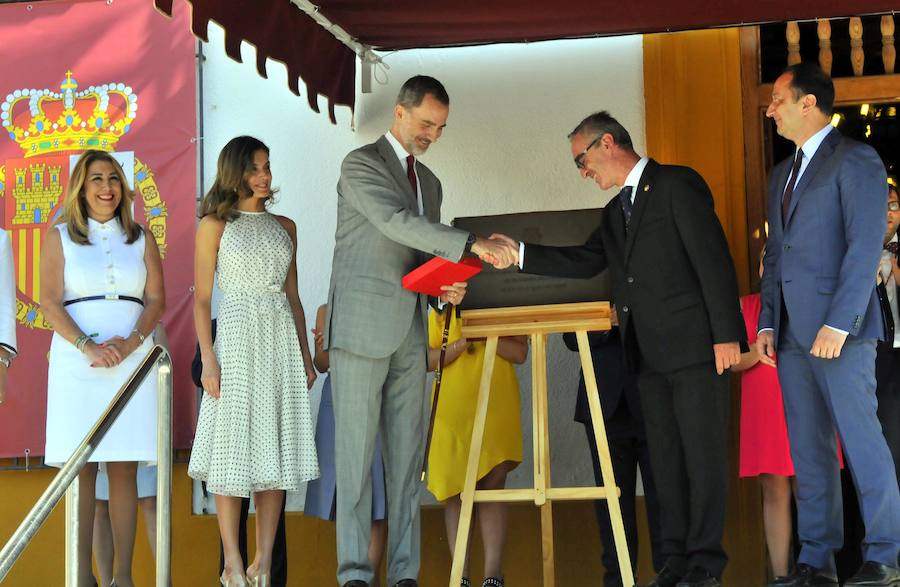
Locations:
(258, 435)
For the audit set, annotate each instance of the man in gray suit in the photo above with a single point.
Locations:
(389, 208)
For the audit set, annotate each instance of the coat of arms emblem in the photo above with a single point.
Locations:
(50, 127)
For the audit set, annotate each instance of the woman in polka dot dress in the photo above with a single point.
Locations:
(255, 433)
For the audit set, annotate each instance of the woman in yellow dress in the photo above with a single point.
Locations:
(501, 451)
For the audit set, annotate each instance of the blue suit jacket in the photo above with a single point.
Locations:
(823, 259)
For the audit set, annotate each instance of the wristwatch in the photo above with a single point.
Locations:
(470, 242)
(5, 361)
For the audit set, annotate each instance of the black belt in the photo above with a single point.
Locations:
(104, 297)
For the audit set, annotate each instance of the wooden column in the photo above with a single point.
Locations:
(857, 55)
(695, 116)
(823, 30)
(792, 34)
(888, 52)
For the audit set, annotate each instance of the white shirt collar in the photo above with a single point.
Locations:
(634, 176)
(111, 224)
(399, 149)
(812, 143)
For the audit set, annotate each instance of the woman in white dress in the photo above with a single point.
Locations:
(254, 434)
(102, 290)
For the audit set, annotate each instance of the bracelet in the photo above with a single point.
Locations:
(140, 335)
(80, 341)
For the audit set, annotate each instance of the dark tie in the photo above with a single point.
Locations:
(892, 247)
(411, 174)
(627, 205)
(792, 181)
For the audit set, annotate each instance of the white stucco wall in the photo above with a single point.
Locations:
(504, 150)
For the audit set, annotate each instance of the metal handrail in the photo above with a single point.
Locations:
(68, 477)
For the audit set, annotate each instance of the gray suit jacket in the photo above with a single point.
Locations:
(379, 238)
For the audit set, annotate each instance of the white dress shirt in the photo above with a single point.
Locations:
(809, 150)
(402, 154)
(887, 275)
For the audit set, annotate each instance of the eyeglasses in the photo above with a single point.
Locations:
(579, 160)
(893, 206)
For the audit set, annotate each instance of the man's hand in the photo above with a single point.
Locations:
(727, 354)
(318, 337)
(454, 294)
(613, 316)
(828, 343)
(765, 347)
(501, 253)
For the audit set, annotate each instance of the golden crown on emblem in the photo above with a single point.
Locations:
(69, 120)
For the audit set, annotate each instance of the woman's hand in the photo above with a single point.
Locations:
(310, 375)
(102, 355)
(125, 346)
(211, 377)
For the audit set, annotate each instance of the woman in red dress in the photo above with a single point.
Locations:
(765, 451)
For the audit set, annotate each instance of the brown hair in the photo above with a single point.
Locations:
(230, 185)
(75, 210)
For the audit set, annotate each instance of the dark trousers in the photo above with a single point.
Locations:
(887, 378)
(279, 549)
(686, 419)
(628, 450)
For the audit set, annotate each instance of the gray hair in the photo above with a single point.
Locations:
(417, 87)
(600, 123)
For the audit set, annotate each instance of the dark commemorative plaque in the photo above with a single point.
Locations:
(496, 289)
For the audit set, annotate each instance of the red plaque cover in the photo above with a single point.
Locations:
(429, 277)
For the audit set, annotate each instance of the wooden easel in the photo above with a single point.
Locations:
(537, 322)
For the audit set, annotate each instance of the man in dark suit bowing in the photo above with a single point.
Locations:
(826, 214)
(674, 287)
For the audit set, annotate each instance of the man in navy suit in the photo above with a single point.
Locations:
(820, 305)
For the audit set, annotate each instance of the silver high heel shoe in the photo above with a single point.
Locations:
(264, 580)
(233, 580)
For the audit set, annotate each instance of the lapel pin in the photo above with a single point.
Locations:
(647, 188)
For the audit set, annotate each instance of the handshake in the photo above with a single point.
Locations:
(498, 250)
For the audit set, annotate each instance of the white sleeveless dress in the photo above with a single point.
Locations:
(77, 394)
(258, 435)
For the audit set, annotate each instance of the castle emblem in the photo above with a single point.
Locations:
(50, 126)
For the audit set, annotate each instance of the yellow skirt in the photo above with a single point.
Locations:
(456, 414)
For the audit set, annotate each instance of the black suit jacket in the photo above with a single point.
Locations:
(672, 277)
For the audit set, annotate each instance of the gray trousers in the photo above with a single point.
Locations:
(368, 394)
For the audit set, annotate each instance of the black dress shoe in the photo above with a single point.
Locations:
(806, 576)
(666, 578)
(698, 577)
(873, 574)
(406, 583)
(356, 583)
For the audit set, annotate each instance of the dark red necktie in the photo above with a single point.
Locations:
(892, 247)
(411, 174)
(792, 181)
